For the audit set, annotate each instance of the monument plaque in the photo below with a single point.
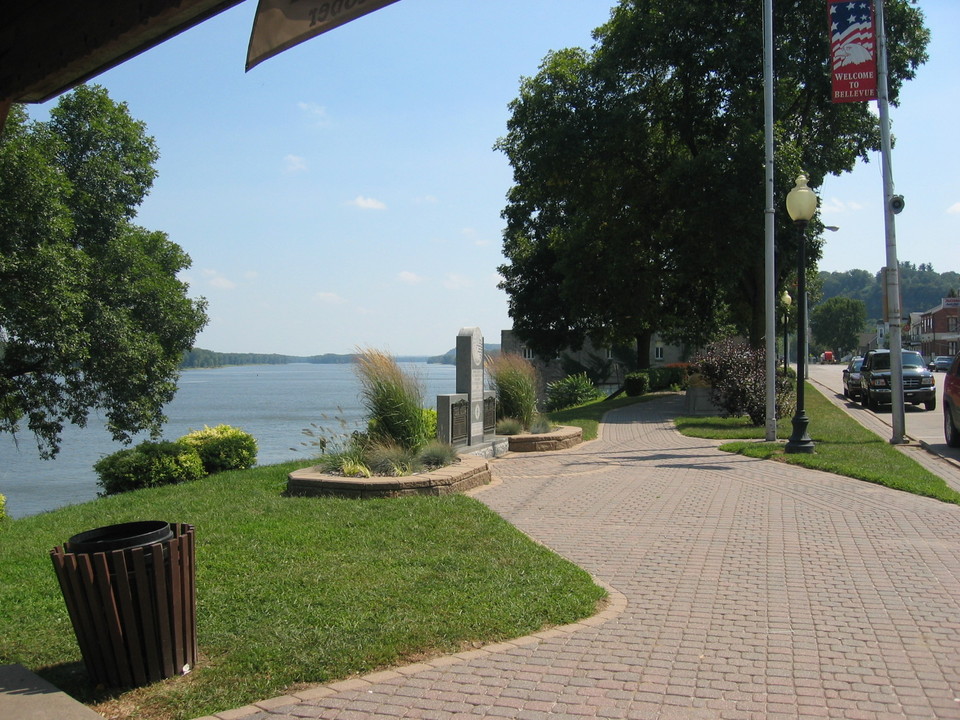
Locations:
(460, 422)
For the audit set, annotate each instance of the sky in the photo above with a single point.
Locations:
(346, 193)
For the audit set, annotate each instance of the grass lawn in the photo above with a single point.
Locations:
(295, 591)
(843, 447)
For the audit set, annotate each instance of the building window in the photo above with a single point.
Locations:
(952, 324)
(526, 352)
(658, 352)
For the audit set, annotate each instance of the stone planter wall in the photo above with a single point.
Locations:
(559, 439)
(470, 472)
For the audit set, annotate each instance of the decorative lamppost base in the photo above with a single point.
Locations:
(800, 441)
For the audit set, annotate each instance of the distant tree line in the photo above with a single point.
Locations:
(200, 358)
(921, 287)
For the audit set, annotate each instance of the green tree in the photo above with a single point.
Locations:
(92, 315)
(837, 323)
(638, 201)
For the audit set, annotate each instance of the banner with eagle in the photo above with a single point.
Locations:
(853, 50)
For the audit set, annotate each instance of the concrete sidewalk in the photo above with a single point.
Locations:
(739, 588)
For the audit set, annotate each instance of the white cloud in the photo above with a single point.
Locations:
(453, 281)
(427, 200)
(216, 280)
(409, 278)
(836, 205)
(329, 298)
(317, 114)
(294, 163)
(954, 209)
(368, 203)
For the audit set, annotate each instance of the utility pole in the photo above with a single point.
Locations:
(892, 205)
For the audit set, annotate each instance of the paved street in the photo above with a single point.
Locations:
(739, 588)
(922, 426)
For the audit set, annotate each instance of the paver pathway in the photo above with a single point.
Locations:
(740, 589)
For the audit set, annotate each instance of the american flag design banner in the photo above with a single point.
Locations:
(853, 50)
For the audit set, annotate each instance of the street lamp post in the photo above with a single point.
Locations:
(801, 205)
(786, 300)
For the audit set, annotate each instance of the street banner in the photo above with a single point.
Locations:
(853, 50)
(281, 24)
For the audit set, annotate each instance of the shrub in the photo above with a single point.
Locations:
(393, 401)
(570, 391)
(669, 376)
(149, 464)
(3, 508)
(737, 375)
(430, 423)
(515, 381)
(223, 448)
(636, 384)
(509, 426)
(541, 424)
(390, 459)
(436, 454)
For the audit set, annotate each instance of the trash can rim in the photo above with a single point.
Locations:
(121, 536)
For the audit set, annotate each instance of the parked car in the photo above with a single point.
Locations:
(951, 404)
(919, 385)
(851, 378)
(941, 363)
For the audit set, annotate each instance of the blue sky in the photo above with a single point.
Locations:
(345, 193)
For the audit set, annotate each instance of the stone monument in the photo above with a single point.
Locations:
(467, 417)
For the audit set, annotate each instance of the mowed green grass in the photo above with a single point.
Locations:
(843, 447)
(296, 591)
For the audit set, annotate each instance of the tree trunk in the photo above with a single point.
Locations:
(643, 350)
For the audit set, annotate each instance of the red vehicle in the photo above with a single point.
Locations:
(951, 404)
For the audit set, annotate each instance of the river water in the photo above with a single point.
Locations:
(274, 403)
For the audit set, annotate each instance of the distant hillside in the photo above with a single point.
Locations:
(450, 357)
(921, 288)
(200, 358)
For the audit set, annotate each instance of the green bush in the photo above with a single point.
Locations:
(3, 508)
(636, 384)
(515, 381)
(430, 423)
(394, 401)
(669, 376)
(149, 464)
(570, 391)
(223, 448)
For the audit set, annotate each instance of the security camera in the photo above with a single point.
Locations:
(896, 204)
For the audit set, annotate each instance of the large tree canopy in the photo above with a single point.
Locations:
(638, 201)
(92, 314)
(837, 324)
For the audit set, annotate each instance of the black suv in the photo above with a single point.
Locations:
(919, 385)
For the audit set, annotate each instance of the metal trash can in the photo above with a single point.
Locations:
(130, 591)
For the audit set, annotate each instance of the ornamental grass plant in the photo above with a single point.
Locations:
(393, 400)
(514, 379)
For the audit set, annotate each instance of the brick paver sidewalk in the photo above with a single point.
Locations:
(739, 589)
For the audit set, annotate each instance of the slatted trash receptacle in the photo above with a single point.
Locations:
(131, 594)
